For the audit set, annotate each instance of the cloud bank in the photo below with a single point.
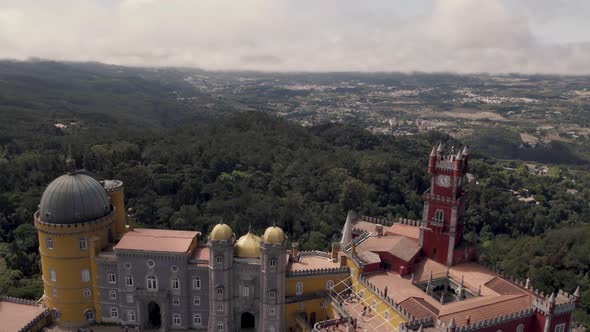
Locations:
(299, 35)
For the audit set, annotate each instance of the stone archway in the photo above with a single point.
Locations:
(154, 316)
(247, 321)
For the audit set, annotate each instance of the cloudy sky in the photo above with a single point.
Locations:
(528, 36)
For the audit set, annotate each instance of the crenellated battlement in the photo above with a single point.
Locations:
(84, 227)
(31, 324)
(491, 322)
(318, 272)
(315, 253)
(379, 293)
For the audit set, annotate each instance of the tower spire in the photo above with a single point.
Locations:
(347, 229)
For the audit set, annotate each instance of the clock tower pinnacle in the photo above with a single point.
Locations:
(442, 219)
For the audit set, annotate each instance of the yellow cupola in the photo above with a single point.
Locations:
(221, 232)
(273, 235)
(248, 246)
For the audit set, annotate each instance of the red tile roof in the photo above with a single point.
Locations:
(503, 287)
(15, 316)
(399, 246)
(412, 232)
(160, 240)
(419, 308)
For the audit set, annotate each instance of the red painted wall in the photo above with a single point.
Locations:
(396, 264)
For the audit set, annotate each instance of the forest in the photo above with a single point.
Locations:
(188, 168)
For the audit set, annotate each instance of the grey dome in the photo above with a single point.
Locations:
(73, 198)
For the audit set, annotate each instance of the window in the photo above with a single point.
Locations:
(151, 264)
(272, 262)
(113, 294)
(219, 327)
(82, 244)
(272, 294)
(520, 328)
(112, 278)
(54, 292)
(89, 314)
(197, 319)
(219, 259)
(219, 291)
(175, 301)
(176, 319)
(245, 291)
(560, 327)
(131, 316)
(196, 300)
(175, 284)
(87, 292)
(55, 314)
(220, 307)
(129, 280)
(49, 243)
(439, 216)
(272, 311)
(152, 282)
(196, 283)
(52, 275)
(174, 268)
(129, 298)
(329, 284)
(85, 275)
(114, 313)
(299, 289)
(128, 266)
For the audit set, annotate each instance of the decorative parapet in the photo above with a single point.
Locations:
(410, 222)
(494, 321)
(31, 324)
(318, 272)
(386, 299)
(315, 253)
(416, 323)
(71, 228)
(379, 221)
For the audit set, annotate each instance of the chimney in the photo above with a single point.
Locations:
(335, 250)
(295, 250)
(379, 230)
(130, 219)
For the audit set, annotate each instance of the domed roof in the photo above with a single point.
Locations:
(273, 235)
(221, 232)
(73, 198)
(248, 246)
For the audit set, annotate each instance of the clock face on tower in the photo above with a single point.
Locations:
(443, 180)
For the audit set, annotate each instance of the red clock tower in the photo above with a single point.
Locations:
(442, 219)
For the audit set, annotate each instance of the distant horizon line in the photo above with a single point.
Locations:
(292, 72)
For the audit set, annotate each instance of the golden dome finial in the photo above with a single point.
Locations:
(248, 246)
(273, 235)
(221, 232)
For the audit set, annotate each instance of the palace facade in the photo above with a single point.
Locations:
(382, 276)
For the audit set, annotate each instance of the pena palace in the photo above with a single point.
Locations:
(405, 275)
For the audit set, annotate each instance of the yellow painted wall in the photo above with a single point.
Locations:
(68, 260)
(117, 198)
(369, 296)
(293, 309)
(312, 284)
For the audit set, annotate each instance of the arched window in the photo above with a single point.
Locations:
(219, 259)
(272, 262)
(114, 313)
(245, 291)
(176, 319)
(87, 292)
(439, 216)
(299, 289)
(52, 275)
(85, 275)
(129, 280)
(197, 319)
(197, 283)
(152, 282)
(175, 283)
(329, 284)
(520, 328)
(131, 316)
(113, 294)
(219, 292)
(219, 327)
(89, 315)
(176, 300)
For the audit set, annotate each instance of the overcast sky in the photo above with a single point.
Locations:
(527, 36)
